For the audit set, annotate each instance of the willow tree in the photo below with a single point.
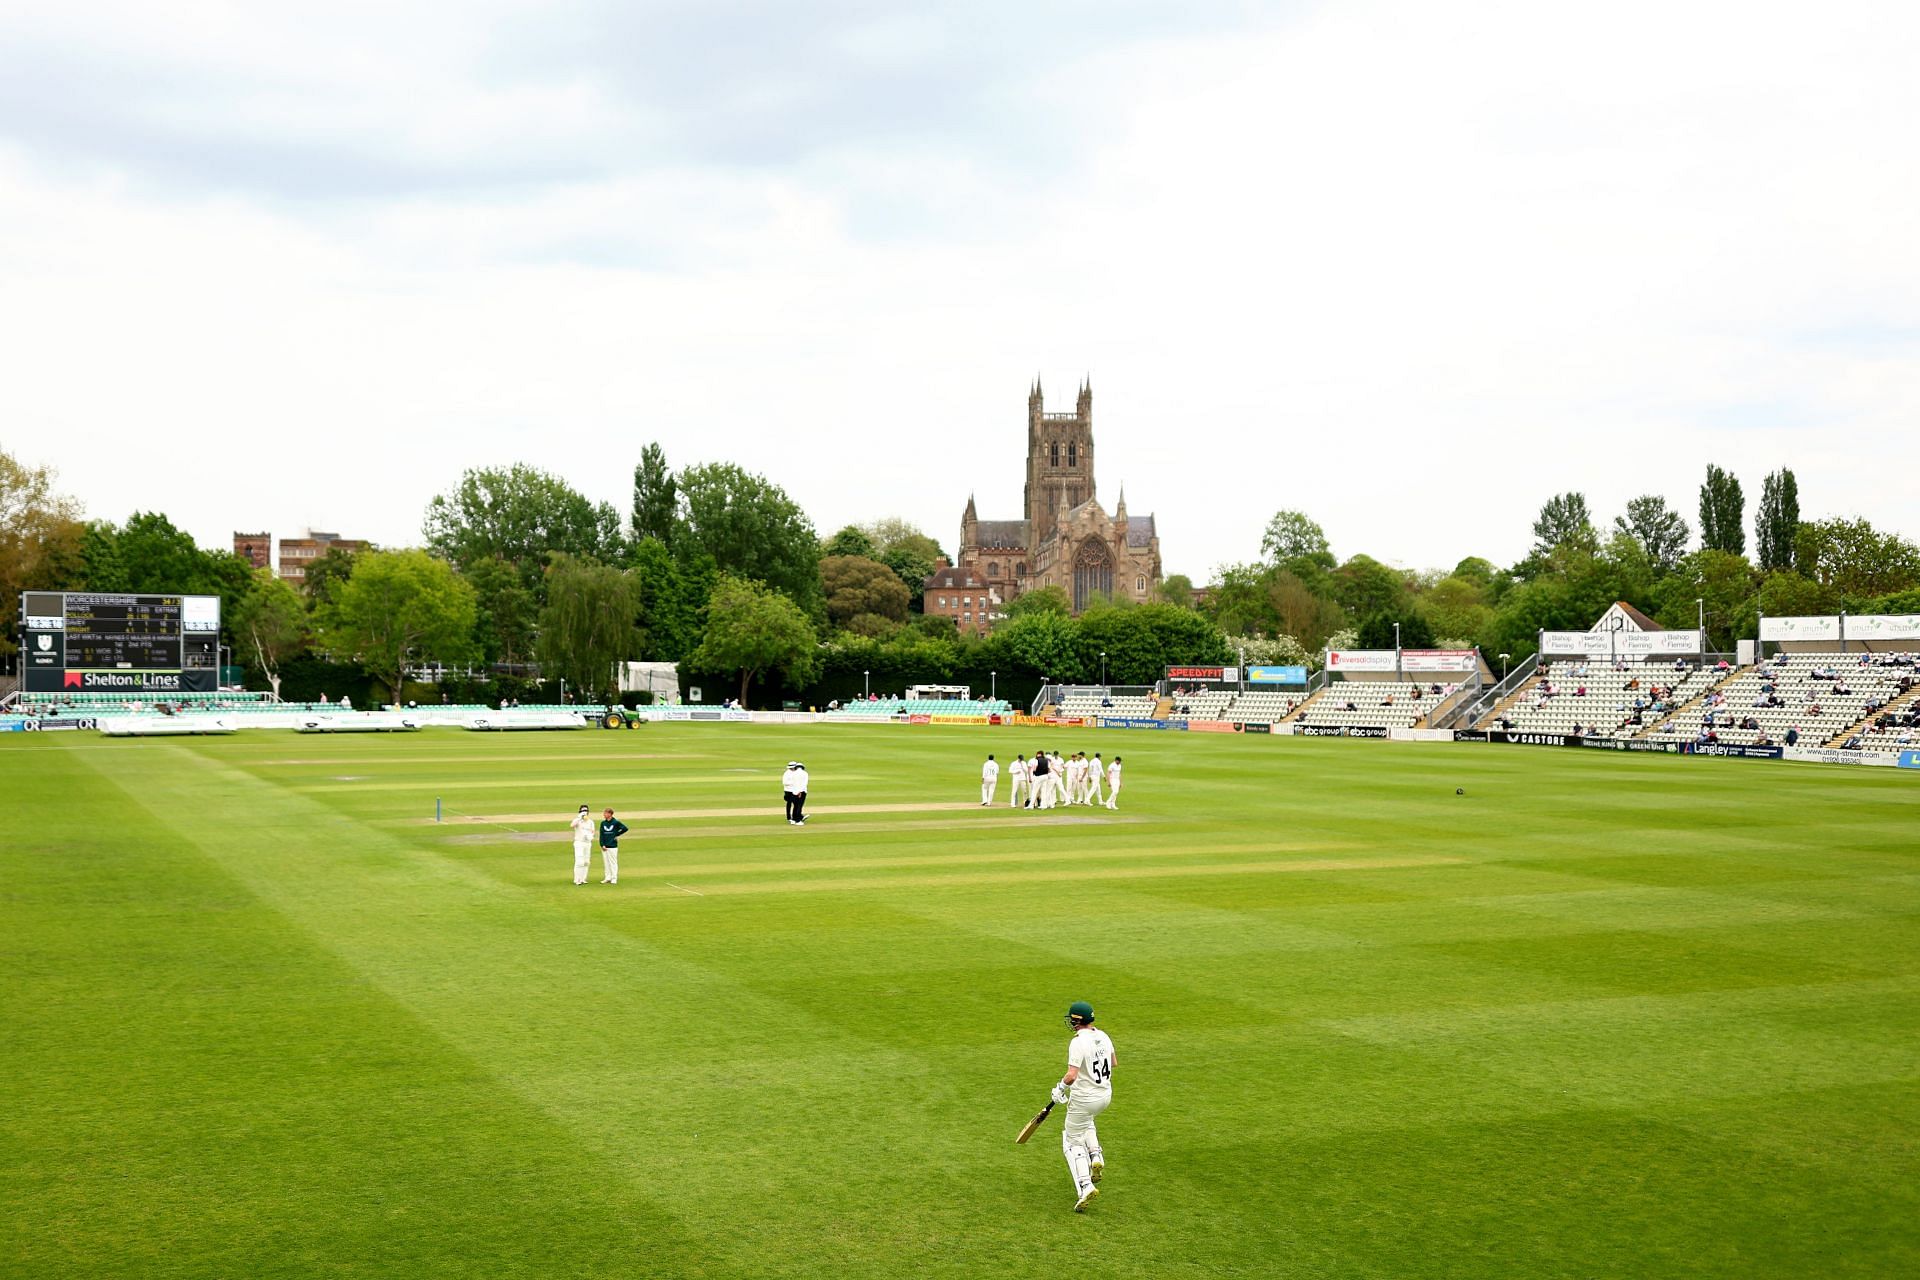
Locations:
(587, 626)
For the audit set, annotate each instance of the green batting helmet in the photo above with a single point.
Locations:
(1079, 1013)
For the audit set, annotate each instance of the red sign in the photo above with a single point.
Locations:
(1196, 673)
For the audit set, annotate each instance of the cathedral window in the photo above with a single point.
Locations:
(1073, 454)
(993, 568)
(1139, 584)
(1021, 569)
(1053, 457)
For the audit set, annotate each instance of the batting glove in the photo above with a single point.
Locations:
(1060, 1093)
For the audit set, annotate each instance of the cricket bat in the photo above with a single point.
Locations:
(1034, 1123)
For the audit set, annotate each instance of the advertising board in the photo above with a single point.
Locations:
(1360, 660)
(1833, 755)
(1276, 675)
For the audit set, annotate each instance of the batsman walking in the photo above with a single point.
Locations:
(1087, 1089)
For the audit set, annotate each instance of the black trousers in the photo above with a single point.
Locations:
(796, 805)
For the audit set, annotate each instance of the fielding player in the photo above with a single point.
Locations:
(1096, 777)
(1040, 782)
(584, 828)
(989, 779)
(611, 829)
(1017, 781)
(1087, 1088)
(1113, 784)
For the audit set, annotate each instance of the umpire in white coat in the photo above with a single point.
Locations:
(794, 784)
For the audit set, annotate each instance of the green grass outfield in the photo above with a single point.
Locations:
(1600, 1016)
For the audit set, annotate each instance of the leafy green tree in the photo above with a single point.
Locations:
(855, 585)
(1376, 632)
(1047, 643)
(1363, 585)
(673, 600)
(1281, 651)
(1722, 512)
(506, 611)
(872, 625)
(158, 557)
(326, 574)
(1292, 536)
(399, 606)
(656, 496)
(850, 541)
(1777, 522)
(1786, 594)
(1476, 570)
(1175, 589)
(1564, 521)
(1299, 611)
(41, 538)
(1856, 559)
(906, 550)
(269, 622)
(519, 515)
(1726, 583)
(1241, 603)
(748, 526)
(1456, 606)
(752, 630)
(1658, 528)
(1047, 599)
(101, 568)
(587, 625)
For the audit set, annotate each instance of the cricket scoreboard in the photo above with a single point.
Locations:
(101, 642)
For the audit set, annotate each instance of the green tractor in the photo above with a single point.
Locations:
(619, 718)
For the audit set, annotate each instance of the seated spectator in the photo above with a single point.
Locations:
(1853, 743)
(1793, 735)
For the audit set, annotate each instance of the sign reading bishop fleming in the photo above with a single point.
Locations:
(102, 642)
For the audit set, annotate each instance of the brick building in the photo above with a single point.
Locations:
(963, 596)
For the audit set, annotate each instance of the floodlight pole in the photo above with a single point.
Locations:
(993, 686)
(866, 679)
(1103, 666)
(1398, 672)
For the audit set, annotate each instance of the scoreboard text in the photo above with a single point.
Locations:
(95, 642)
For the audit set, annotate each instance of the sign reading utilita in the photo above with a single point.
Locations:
(105, 642)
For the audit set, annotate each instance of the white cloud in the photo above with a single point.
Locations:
(1408, 270)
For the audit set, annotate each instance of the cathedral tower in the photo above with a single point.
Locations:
(1059, 460)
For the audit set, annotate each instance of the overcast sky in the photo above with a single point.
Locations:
(1409, 267)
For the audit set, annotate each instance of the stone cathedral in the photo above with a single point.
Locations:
(1066, 538)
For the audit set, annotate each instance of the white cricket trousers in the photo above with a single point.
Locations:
(987, 790)
(1047, 791)
(1013, 796)
(582, 861)
(1113, 797)
(1079, 1141)
(610, 858)
(1093, 789)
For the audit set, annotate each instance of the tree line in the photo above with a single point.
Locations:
(718, 569)
(1575, 569)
